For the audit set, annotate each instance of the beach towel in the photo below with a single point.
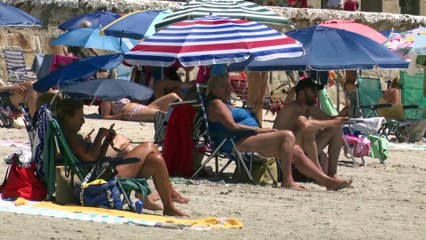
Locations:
(178, 144)
(379, 147)
(117, 217)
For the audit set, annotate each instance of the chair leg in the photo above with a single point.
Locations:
(240, 159)
(126, 197)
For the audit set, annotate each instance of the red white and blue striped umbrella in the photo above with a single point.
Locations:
(212, 40)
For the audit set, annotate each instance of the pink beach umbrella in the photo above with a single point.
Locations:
(355, 27)
(212, 40)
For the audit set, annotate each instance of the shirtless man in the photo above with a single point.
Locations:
(313, 129)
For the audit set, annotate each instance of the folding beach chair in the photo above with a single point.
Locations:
(50, 149)
(15, 63)
(243, 160)
(414, 102)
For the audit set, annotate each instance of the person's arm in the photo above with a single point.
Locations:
(90, 152)
(18, 88)
(218, 111)
(324, 121)
(106, 112)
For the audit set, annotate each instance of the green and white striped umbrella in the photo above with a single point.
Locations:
(224, 8)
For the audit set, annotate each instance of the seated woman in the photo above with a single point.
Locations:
(107, 143)
(267, 142)
(124, 109)
(19, 93)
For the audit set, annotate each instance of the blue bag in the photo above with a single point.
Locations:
(99, 193)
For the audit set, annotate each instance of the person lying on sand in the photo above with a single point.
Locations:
(267, 142)
(108, 143)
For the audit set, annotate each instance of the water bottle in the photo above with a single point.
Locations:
(139, 206)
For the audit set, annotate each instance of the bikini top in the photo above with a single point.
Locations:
(117, 106)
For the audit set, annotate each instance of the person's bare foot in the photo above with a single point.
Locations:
(149, 201)
(292, 186)
(176, 197)
(172, 211)
(338, 184)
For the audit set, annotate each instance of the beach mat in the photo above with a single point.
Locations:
(407, 146)
(22, 144)
(118, 217)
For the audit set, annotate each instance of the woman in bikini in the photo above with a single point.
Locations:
(124, 109)
(108, 143)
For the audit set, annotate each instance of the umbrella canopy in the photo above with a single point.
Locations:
(225, 8)
(98, 19)
(107, 89)
(11, 16)
(136, 25)
(91, 38)
(78, 71)
(330, 49)
(212, 40)
(355, 27)
(403, 42)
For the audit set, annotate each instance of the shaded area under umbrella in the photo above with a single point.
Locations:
(78, 71)
(11, 16)
(136, 25)
(329, 49)
(98, 19)
(91, 38)
(106, 89)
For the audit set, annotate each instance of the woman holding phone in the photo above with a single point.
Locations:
(108, 143)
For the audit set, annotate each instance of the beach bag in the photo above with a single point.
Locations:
(259, 173)
(99, 192)
(20, 181)
(361, 145)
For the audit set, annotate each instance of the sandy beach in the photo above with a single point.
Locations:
(386, 201)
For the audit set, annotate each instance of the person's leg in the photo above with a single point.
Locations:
(257, 82)
(164, 86)
(163, 102)
(307, 167)
(152, 164)
(307, 141)
(274, 144)
(331, 137)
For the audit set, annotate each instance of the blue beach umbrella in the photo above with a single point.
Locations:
(97, 19)
(90, 38)
(11, 16)
(78, 71)
(106, 89)
(330, 49)
(136, 25)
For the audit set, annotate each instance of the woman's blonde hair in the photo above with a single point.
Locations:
(212, 83)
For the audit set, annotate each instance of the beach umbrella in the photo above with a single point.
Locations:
(78, 71)
(329, 49)
(11, 16)
(98, 19)
(106, 89)
(212, 40)
(402, 43)
(355, 27)
(225, 8)
(135, 25)
(91, 38)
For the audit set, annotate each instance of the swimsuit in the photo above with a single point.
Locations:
(241, 116)
(117, 107)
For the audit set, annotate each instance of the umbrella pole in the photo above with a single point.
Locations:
(337, 84)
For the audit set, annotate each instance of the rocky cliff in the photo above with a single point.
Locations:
(54, 12)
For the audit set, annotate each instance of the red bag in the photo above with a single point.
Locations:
(21, 182)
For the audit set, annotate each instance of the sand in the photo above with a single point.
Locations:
(386, 201)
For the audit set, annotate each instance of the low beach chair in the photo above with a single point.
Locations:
(243, 160)
(15, 63)
(50, 149)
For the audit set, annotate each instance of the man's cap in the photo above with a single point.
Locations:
(307, 83)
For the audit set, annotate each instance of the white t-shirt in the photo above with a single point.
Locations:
(335, 3)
